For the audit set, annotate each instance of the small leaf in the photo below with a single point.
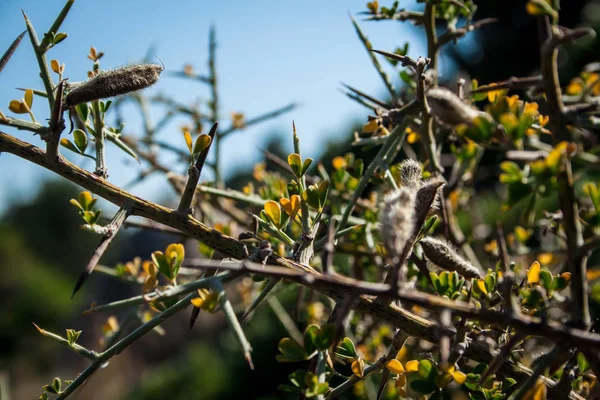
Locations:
(306, 165)
(188, 140)
(347, 348)
(412, 366)
(533, 273)
(17, 107)
(325, 337)
(162, 264)
(202, 143)
(174, 254)
(460, 377)
(81, 140)
(83, 111)
(69, 145)
(55, 66)
(310, 338)
(358, 367)
(425, 368)
(295, 162)
(423, 386)
(59, 37)
(395, 367)
(76, 204)
(291, 351)
(29, 97)
(273, 211)
(86, 200)
(56, 384)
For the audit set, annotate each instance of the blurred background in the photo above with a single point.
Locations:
(269, 54)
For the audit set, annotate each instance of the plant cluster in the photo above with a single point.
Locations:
(404, 304)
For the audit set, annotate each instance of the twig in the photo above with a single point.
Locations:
(394, 139)
(124, 343)
(384, 76)
(42, 63)
(458, 33)
(194, 172)
(111, 232)
(82, 351)
(285, 319)
(44, 45)
(261, 118)
(512, 83)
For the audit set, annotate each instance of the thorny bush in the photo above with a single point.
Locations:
(405, 301)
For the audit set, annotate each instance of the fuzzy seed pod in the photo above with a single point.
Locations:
(114, 83)
(410, 173)
(397, 220)
(449, 108)
(427, 200)
(442, 255)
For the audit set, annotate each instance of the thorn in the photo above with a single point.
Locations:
(40, 330)
(249, 360)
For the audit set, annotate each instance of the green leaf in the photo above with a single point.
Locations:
(107, 105)
(582, 363)
(326, 336)
(44, 396)
(425, 369)
(81, 140)
(306, 165)
(273, 212)
(423, 386)
(298, 378)
(49, 389)
(546, 279)
(56, 384)
(310, 338)
(72, 336)
(202, 143)
(347, 349)
(162, 264)
(59, 37)
(323, 191)
(295, 162)
(83, 111)
(86, 200)
(64, 142)
(291, 351)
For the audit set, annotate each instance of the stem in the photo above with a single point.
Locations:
(101, 169)
(42, 63)
(394, 139)
(124, 343)
(44, 45)
(576, 261)
(214, 103)
(195, 171)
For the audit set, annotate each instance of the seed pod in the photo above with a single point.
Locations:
(410, 173)
(115, 83)
(449, 108)
(427, 200)
(442, 255)
(397, 220)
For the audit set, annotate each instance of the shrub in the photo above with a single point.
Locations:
(413, 302)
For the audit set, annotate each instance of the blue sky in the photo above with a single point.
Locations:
(270, 53)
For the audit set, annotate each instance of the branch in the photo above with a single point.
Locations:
(458, 33)
(512, 83)
(576, 262)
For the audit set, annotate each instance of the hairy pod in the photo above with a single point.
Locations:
(397, 220)
(441, 254)
(449, 108)
(427, 200)
(114, 83)
(410, 173)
